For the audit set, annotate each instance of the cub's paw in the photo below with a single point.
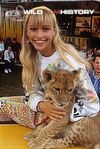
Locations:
(33, 146)
(29, 136)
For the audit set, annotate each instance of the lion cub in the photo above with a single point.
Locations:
(59, 90)
(60, 87)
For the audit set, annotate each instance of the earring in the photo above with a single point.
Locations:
(27, 41)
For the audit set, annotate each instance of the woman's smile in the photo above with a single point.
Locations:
(40, 41)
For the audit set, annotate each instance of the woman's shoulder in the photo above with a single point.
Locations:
(74, 62)
(69, 51)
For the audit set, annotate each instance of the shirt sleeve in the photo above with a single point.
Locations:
(33, 98)
(87, 101)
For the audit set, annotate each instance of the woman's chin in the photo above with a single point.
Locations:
(39, 47)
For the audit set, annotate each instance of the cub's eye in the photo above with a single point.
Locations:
(48, 98)
(57, 89)
(70, 90)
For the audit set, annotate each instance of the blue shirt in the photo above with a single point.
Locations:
(95, 81)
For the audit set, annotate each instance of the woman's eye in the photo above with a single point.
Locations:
(46, 29)
(33, 29)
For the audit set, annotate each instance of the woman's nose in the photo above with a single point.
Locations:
(39, 34)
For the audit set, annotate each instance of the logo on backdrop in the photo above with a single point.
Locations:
(19, 13)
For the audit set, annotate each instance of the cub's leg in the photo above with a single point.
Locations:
(47, 133)
(68, 139)
(82, 133)
(30, 136)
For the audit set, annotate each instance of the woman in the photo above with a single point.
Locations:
(43, 48)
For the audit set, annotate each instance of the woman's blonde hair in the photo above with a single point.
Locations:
(28, 55)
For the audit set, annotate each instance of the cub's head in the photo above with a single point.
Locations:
(60, 86)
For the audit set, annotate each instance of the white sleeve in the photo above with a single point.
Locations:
(6, 57)
(87, 103)
(35, 97)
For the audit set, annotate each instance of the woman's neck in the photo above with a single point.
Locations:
(47, 52)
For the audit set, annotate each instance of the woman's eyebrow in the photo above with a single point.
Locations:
(45, 26)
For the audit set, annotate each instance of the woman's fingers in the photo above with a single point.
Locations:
(55, 117)
(56, 114)
(52, 111)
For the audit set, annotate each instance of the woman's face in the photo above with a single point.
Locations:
(40, 37)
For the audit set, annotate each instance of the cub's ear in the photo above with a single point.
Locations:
(76, 73)
(47, 75)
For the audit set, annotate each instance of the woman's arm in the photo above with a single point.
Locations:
(87, 103)
(34, 97)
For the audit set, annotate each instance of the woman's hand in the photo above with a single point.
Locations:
(53, 112)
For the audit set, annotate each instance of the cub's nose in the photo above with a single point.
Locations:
(49, 99)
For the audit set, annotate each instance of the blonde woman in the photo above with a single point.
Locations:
(43, 48)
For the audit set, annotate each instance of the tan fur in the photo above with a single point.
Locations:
(59, 89)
